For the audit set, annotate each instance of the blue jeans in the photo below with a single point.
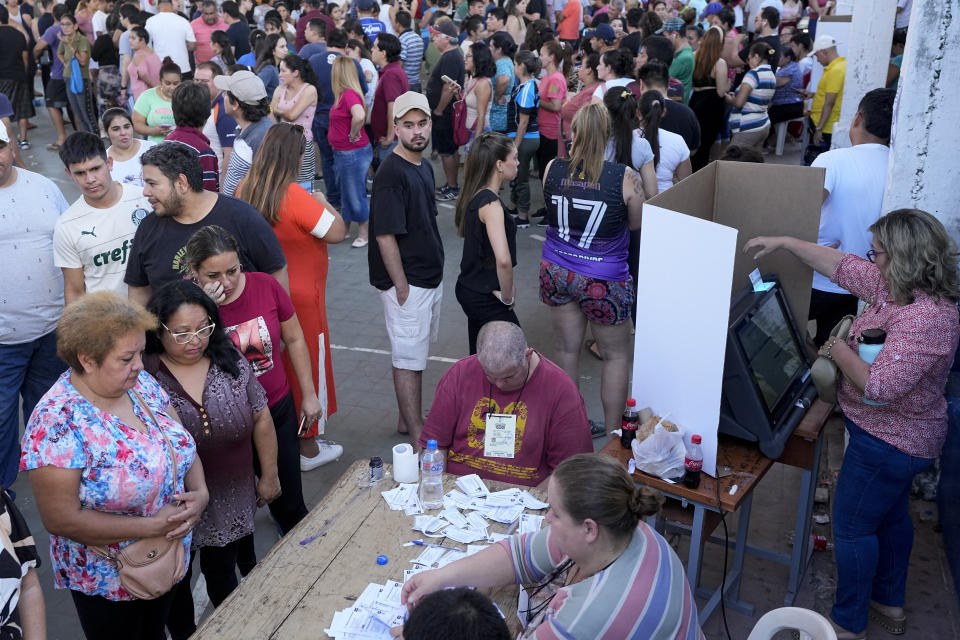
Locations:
(351, 167)
(27, 371)
(321, 126)
(872, 529)
(948, 492)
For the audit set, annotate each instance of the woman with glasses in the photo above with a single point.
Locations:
(260, 320)
(305, 223)
(217, 396)
(894, 407)
(595, 543)
(109, 463)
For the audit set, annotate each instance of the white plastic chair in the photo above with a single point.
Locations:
(782, 133)
(810, 624)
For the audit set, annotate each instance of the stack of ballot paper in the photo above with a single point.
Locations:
(372, 615)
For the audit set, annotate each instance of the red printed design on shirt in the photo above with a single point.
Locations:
(252, 338)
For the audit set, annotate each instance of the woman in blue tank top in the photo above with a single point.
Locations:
(591, 207)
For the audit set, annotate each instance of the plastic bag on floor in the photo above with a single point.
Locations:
(661, 454)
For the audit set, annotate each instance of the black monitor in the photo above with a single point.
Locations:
(766, 379)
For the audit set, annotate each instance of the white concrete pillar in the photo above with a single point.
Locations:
(924, 171)
(868, 56)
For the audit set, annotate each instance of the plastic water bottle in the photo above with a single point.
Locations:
(693, 463)
(871, 342)
(431, 477)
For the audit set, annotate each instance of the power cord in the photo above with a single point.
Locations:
(726, 547)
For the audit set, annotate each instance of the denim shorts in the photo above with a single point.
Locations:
(602, 301)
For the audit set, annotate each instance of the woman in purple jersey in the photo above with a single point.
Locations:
(591, 207)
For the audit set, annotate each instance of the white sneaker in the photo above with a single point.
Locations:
(329, 451)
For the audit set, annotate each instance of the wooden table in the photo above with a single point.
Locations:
(325, 562)
(748, 467)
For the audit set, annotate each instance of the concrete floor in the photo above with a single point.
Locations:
(366, 425)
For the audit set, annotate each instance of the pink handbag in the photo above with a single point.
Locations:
(150, 567)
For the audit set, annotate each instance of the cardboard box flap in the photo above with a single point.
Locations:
(758, 200)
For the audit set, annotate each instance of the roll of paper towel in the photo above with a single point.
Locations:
(405, 468)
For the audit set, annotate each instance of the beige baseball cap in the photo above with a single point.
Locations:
(410, 100)
(3, 134)
(246, 86)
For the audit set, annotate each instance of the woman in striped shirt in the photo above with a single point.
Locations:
(602, 573)
(749, 122)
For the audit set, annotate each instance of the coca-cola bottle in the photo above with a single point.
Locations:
(629, 423)
(693, 463)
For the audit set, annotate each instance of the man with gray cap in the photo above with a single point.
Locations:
(246, 101)
(406, 261)
(507, 413)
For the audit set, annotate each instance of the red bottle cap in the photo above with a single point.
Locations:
(695, 439)
(631, 402)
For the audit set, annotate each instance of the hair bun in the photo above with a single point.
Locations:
(645, 502)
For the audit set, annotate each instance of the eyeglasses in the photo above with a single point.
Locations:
(873, 253)
(187, 336)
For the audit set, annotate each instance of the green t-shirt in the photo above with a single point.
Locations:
(682, 69)
(157, 110)
(80, 44)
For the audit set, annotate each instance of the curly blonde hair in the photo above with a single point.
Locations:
(922, 256)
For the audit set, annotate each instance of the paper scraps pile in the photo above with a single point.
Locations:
(372, 615)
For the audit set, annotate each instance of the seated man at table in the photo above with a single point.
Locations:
(507, 413)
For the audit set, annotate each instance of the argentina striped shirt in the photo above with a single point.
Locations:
(753, 115)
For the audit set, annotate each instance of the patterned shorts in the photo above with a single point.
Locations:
(602, 301)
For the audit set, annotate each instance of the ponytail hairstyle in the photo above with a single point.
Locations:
(764, 50)
(652, 109)
(597, 487)
(591, 130)
(530, 63)
(622, 105)
(485, 151)
(562, 54)
(221, 39)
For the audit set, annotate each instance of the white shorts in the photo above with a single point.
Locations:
(413, 326)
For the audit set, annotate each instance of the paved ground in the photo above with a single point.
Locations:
(366, 425)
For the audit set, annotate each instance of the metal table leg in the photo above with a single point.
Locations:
(800, 556)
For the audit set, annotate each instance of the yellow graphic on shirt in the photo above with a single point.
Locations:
(476, 431)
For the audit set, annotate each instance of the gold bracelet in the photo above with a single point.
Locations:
(829, 352)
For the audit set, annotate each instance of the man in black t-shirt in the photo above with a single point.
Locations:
(440, 95)
(406, 261)
(173, 183)
(766, 24)
(680, 119)
(237, 30)
(634, 37)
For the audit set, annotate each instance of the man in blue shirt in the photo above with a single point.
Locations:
(322, 64)
(368, 11)
(315, 33)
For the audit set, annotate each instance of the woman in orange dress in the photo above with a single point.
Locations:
(304, 223)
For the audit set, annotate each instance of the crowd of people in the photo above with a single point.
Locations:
(171, 345)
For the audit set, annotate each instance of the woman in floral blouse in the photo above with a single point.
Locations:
(216, 394)
(100, 468)
(894, 408)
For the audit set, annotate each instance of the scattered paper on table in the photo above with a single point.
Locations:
(530, 523)
(472, 485)
(532, 503)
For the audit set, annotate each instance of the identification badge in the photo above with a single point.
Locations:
(500, 436)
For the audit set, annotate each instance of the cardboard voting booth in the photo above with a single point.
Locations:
(692, 260)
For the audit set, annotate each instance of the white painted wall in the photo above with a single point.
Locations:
(924, 168)
(868, 56)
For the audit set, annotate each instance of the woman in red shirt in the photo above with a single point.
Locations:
(587, 74)
(304, 223)
(352, 152)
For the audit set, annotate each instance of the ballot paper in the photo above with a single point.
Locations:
(454, 517)
(450, 556)
(414, 507)
(505, 515)
(465, 536)
(372, 615)
(530, 502)
(493, 538)
(477, 521)
(530, 523)
(472, 485)
(401, 496)
(429, 556)
(409, 573)
(506, 498)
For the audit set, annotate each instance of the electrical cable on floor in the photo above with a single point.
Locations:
(726, 547)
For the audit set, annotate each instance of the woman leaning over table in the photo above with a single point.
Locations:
(216, 394)
(595, 544)
(99, 465)
(894, 408)
(485, 287)
(305, 223)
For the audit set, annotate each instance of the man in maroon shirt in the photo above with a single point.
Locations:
(507, 413)
(314, 12)
(392, 83)
(191, 108)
